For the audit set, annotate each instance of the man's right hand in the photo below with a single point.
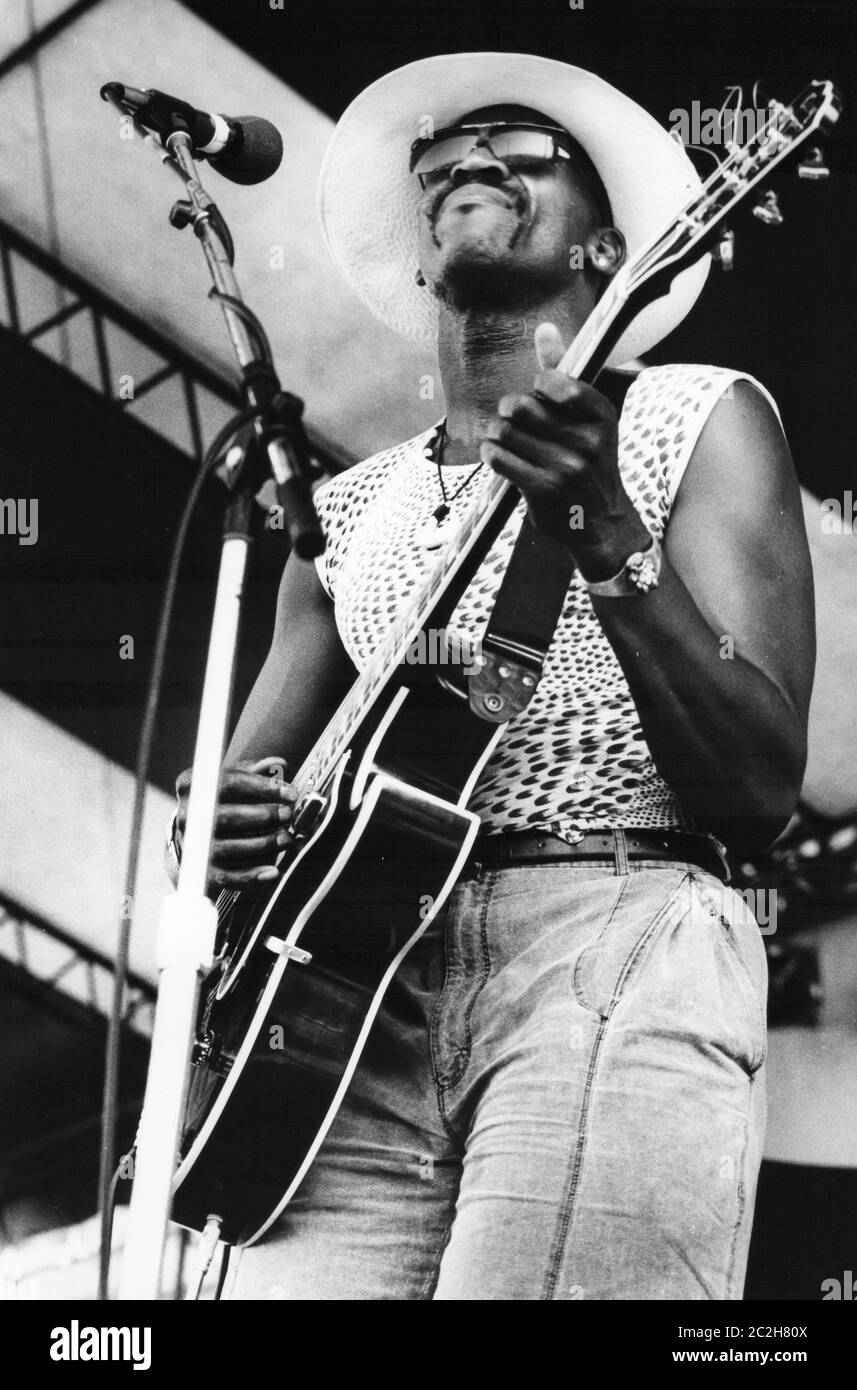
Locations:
(252, 825)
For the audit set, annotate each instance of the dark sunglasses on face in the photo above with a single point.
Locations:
(432, 159)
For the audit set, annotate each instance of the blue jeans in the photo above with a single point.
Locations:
(562, 1098)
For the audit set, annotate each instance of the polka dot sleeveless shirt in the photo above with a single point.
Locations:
(575, 759)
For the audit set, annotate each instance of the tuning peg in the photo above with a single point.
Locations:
(724, 251)
(768, 209)
(812, 166)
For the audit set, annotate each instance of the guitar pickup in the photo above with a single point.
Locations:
(306, 814)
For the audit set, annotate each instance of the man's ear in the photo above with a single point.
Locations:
(605, 250)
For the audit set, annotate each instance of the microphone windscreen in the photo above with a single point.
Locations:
(257, 157)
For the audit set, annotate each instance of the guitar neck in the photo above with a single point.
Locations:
(479, 527)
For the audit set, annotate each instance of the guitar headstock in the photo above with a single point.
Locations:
(786, 132)
(782, 133)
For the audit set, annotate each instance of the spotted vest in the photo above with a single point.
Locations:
(576, 758)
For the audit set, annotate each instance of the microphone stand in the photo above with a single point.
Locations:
(188, 920)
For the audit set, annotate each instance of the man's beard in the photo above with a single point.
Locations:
(489, 286)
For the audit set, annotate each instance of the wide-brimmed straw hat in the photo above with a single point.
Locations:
(368, 198)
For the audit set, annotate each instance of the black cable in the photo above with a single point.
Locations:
(252, 322)
(110, 1098)
(221, 1277)
(184, 1241)
(120, 1172)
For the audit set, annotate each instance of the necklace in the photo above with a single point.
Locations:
(438, 532)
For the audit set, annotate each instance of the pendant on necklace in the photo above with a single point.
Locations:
(439, 531)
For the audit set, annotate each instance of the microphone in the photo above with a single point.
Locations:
(245, 149)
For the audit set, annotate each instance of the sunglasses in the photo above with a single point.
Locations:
(432, 158)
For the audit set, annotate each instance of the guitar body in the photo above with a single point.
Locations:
(302, 971)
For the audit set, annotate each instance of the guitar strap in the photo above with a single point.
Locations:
(520, 630)
(526, 611)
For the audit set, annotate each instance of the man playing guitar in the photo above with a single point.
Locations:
(562, 1096)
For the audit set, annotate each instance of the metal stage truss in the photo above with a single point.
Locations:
(47, 308)
(54, 963)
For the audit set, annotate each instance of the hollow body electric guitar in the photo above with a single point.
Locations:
(381, 825)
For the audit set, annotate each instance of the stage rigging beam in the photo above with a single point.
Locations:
(116, 353)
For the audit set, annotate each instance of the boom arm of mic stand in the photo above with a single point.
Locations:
(283, 439)
(280, 434)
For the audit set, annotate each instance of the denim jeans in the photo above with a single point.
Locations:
(562, 1098)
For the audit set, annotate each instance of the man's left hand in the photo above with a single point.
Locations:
(559, 445)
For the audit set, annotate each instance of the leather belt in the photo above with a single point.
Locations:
(613, 846)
